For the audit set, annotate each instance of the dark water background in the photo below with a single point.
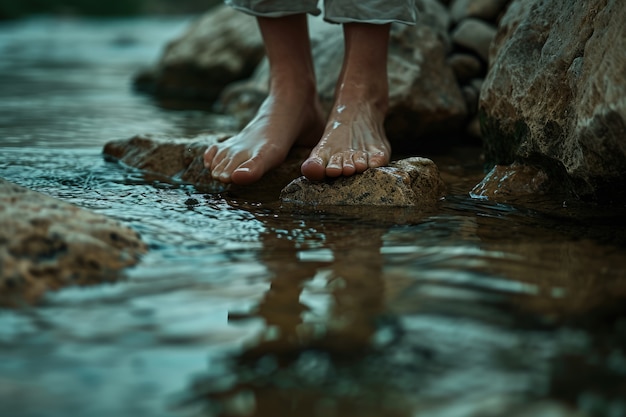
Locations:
(245, 308)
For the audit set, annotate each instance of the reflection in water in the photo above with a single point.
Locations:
(321, 304)
(398, 319)
(335, 300)
(247, 308)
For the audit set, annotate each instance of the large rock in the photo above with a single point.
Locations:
(555, 95)
(46, 244)
(412, 182)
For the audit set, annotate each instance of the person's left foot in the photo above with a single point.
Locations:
(354, 139)
(289, 115)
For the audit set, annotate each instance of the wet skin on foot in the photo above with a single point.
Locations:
(265, 142)
(354, 140)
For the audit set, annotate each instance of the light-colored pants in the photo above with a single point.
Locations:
(335, 11)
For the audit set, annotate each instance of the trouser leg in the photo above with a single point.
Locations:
(370, 11)
(335, 11)
(275, 8)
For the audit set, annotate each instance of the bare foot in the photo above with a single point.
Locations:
(354, 139)
(286, 117)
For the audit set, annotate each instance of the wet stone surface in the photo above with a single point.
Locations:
(411, 182)
(48, 244)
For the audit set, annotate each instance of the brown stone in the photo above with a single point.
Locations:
(412, 182)
(554, 96)
(172, 158)
(47, 244)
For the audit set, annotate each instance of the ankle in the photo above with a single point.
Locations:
(293, 84)
(375, 94)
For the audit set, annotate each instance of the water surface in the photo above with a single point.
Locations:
(245, 308)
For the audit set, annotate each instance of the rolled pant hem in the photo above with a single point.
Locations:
(282, 13)
(341, 20)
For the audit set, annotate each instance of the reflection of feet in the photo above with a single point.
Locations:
(287, 116)
(354, 139)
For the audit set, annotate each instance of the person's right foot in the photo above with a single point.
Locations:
(288, 115)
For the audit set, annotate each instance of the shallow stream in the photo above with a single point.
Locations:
(244, 308)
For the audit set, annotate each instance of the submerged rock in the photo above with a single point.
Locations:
(411, 182)
(48, 244)
(555, 95)
(172, 158)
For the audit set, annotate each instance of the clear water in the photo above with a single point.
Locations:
(245, 308)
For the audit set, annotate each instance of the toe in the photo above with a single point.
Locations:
(247, 173)
(335, 166)
(314, 169)
(348, 165)
(209, 156)
(360, 162)
(219, 172)
(378, 159)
